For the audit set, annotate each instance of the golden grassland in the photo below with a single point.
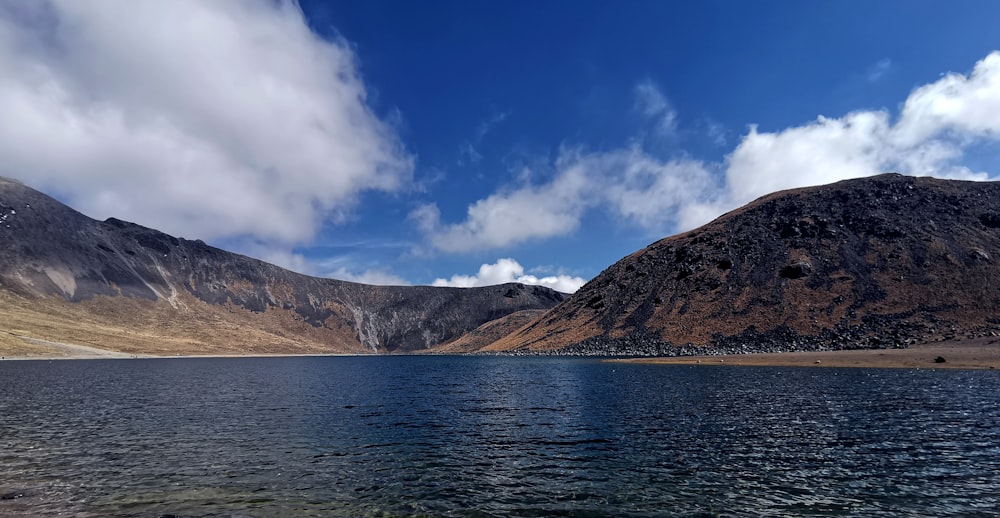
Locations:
(51, 327)
(488, 333)
(12, 346)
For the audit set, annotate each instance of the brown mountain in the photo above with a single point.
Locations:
(490, 332)
(114, 284)
(875, 262)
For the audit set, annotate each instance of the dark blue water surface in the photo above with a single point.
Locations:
(468, 436)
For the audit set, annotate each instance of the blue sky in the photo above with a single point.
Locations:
(466, 143)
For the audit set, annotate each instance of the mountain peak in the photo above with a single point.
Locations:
(871, 262)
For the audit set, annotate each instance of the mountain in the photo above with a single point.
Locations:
(67, 277)
(875, 262)
(490, 332)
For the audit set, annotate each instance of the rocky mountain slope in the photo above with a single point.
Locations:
(874, 262)
(101, 279)
(490, 332)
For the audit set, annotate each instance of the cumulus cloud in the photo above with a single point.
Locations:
(824, 151)
(646, 190)
(508, 270)
(511, 216)
(629, 183)
(203, 119)
(937, 123)
(968, 106)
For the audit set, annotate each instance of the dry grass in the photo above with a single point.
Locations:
(12, 346)
(550, 331)
(133, 326)
(488, 333)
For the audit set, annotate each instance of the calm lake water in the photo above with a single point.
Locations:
(467, 436)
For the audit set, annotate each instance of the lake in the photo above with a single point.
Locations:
(488, 436)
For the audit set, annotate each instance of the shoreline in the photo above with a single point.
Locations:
(971, 354)
(127, 356)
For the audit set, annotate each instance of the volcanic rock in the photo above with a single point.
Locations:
(56, 262)
(868, 263)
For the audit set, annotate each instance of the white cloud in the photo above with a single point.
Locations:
(646, 190)
(966, 105)
(203, 119)
(628, 183)
(824, 151)
(513, 216)
(509, 270)
(937, 123)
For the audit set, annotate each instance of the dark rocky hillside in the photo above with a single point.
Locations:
(49, 251)
(869, 263)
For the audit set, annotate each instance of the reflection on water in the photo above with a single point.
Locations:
(456, 436)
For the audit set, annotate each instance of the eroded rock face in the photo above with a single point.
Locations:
(50, 250)
(874, 262)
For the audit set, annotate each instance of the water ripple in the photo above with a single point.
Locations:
(416, 436)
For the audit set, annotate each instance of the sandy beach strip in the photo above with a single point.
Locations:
(977, 353)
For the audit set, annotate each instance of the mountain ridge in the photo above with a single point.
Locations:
(50, 251)
(877, 262)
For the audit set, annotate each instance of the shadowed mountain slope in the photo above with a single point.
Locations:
(873, 262)
(115, 275)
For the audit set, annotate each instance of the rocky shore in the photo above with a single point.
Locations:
(977, 353)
